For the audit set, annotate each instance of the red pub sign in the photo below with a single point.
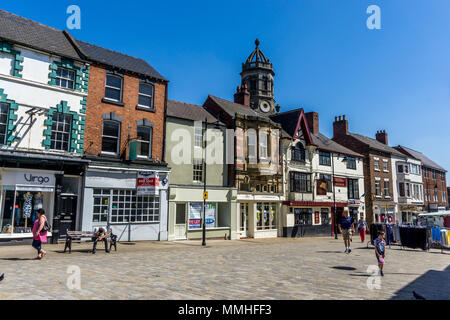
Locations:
(340, 182)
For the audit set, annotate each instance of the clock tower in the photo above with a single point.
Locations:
(257, 75)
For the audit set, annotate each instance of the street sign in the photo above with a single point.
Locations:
(205, 195)
(133, 150)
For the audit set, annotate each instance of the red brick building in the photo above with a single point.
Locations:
(434, 181)
(378, 177)
(124, 137)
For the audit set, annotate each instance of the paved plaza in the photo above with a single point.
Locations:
(308, 268)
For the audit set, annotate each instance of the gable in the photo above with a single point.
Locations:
(302, 130)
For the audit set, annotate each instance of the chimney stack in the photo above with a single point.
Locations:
(382, 136)
(242, 96)
(340, 126)
(312, 118)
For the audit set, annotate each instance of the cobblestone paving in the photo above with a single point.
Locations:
(314, 268)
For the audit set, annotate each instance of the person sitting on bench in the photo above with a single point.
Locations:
(100, 234)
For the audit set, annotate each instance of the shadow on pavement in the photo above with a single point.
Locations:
(433, 285)
(344, 268)
(17, 259)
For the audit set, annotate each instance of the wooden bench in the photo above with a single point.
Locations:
(80, 236)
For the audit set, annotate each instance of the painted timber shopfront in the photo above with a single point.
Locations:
(54, 187)
(259, 215)
(186, 213)
(114, 197)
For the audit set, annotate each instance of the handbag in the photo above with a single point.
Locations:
(47, 227)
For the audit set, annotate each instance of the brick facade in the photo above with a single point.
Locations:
(128, 112)
(429, 184)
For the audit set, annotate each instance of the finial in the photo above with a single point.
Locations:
(257, 42)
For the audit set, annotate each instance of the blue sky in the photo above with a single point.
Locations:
(325, 58)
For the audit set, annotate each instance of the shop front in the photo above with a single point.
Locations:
(309, 218)
(409, 213)
(259, 215)
(23, 192)
(115, 198)
(186, 213)
(384, 212)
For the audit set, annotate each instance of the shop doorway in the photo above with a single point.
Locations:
(67, 214)
(244, 220)
(180, 222)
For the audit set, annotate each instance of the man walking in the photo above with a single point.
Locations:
(346, 228)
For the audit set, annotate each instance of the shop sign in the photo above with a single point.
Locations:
(316, 217)
(340, 182)
(354, 202)
(28, 177)
(321, 188)
(147, 183)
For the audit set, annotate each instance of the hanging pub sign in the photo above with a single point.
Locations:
(340, 182)
(321, 188)
(147, 183)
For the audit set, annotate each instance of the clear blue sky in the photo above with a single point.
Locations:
(325, 58)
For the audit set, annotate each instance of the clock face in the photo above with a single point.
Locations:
(264, 106)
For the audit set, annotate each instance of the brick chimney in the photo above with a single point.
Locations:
(340, 126)
(382, 136)
(312, 118)
(242, 96)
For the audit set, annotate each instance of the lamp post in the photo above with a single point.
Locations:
(204, 182)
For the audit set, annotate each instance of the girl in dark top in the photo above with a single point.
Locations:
(380, 250)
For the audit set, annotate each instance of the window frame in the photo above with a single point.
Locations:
(118, 137)
(351, 163)
(299, 179)
(152, 104)
(263, 148)
(325, 155)
(5, 140)
(114, 88)
(376, 164)
(149, 156)
(298, 152)
(61, 78)
(353, 189)
(197, 174)
(378, 190)
(69, 133)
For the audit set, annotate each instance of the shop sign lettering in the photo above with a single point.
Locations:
(36, 179)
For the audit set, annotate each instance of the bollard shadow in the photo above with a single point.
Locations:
(343, 268)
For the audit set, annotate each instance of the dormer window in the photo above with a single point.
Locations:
(113, 89)
(65, 78)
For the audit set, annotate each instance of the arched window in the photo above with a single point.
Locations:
(298, 152)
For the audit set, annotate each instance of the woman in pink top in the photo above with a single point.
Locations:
(39, 236)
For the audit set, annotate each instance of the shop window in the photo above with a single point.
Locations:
(65, 78)
(300, 182)
(61, 131)
(111, 137)
(298, 153)
(113, 88)
(4, 112)
(144, 140)
(273, 216)
(324, 158)
(266, 216)
(303, 216)
(126, 206)
(325, 216)
(20, 209)
(353, 189)
(196, 214)
(146, 95)
(351, 163)
(101, 205)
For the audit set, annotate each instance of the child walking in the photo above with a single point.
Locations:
(380, 250)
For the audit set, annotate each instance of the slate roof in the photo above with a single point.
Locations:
(32, 34)
(288, 120)
(376, 145)
(324, 143)
(427, 162)
(235, 108)
(189, 111)
(119, 60)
